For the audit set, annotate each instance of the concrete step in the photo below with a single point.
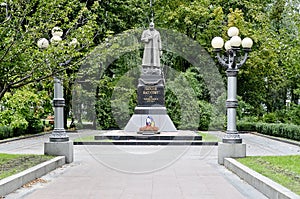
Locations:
(147, 142)
(148, 137)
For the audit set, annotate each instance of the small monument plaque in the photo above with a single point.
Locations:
(151, 84)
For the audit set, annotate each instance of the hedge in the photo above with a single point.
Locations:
(8, 132)
(246, 126)
(289, 131)
(279, 130)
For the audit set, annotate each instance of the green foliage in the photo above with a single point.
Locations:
(205, 115)
(185, 101)
(103, 104)
(270, 76)
(246, 126)
(279, 130)
(292, 114)
(270, 118)
(5, 132)
(22, 111)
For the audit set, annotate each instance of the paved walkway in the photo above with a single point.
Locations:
(129, 172)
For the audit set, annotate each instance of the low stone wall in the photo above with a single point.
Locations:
(12, 183)
(263, 184)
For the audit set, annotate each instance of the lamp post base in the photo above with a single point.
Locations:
(232, 138)
(59, 135)
(226, 150)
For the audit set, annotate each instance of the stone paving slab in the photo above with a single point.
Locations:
(193, 174)
(146, 172)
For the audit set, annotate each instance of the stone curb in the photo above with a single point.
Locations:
(23, 137)
(263, 184)
(12, 183)
(277, 138)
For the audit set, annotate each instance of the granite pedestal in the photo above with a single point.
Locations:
(60, 149)
(226, 150)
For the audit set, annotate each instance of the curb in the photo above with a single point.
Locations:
(23, 137)
(32, 136)
(277, 138)
(12, 183)
(263, 184)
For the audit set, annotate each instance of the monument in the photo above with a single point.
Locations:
(150, 88)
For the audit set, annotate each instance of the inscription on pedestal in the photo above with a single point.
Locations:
(151, 96)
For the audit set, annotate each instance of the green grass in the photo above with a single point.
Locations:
(90, 138)
(206, 137)
(284, 170)
(11, 164)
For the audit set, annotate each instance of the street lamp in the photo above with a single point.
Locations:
(232, 61)
(59, 133)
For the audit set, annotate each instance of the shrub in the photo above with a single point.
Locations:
(270, 118)
(205, 115)
(279, 130)
(5, 132)
(22, 110)
(246, 126)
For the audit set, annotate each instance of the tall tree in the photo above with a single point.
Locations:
(24, 22)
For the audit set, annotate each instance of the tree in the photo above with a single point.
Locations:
(24, 22)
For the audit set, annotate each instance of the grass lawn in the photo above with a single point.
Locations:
(206, 137)
(284, 170)
(89, 138)
(11, 164)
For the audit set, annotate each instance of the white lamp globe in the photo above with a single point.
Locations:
(217, 42)
(43, 43)
(233, 31)
(57, 31)
(247, 42)
(235, 41)
(227, 45)
(55, 39)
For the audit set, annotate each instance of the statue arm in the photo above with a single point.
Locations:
(146, 37)
(160, 45)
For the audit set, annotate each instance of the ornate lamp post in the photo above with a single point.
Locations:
(59, 133)
(232, 61)
(59, 141)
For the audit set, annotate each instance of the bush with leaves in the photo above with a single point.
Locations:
(22, 111)
(279, 130)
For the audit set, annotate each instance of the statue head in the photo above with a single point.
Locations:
(151, 26)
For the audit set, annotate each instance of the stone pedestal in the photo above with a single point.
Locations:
(159, 114)
(60, 149)
(226, 150)
(151, 102)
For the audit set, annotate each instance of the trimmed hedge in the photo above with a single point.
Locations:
(289, 131)
(279, 130)
(246, 126)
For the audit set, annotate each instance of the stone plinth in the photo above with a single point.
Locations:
(159, 114)
(60, 149)
(226, 150)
